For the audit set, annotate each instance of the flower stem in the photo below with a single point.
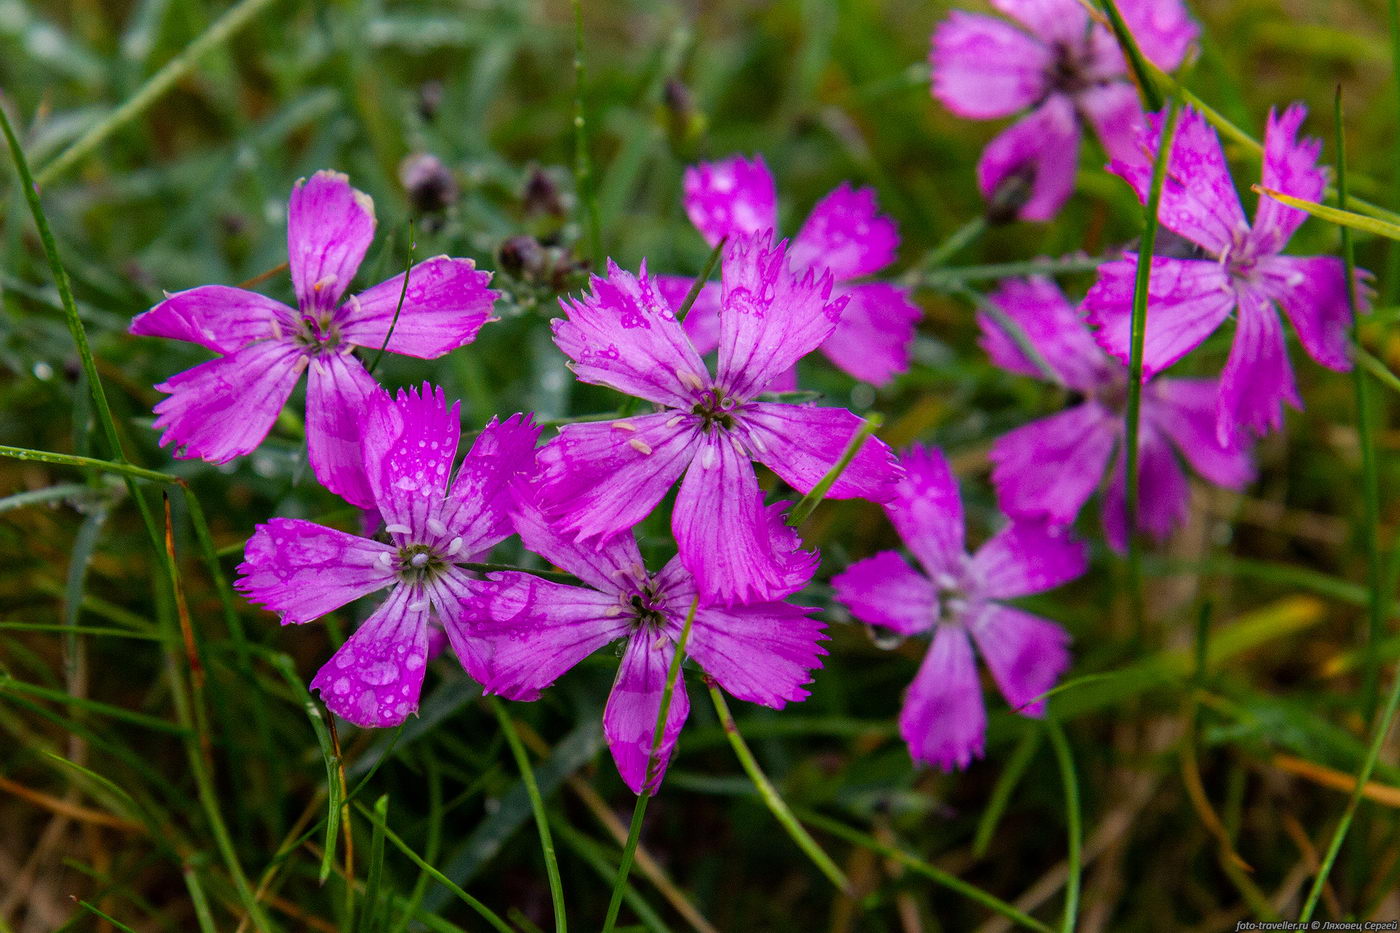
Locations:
(1076, 830)
(1138, 336)
(809, 502)
(701, 279)
(527, 774)
(776, 805)
(86, 463)
(583, 163)
(634, 832)
(403, 293)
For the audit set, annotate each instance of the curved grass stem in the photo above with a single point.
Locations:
(527, 774)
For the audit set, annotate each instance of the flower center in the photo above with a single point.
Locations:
(318, 332)
(646, 608)
(1238, 260)
(715, 409)
(419, 563)
(1069, 73)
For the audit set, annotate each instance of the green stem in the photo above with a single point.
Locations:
(634, 832)
(527, 774)
(1138, 336)
(809, 502)
(583, 164)
(160, 82)
(1075, 867)
(934, 259)
(776, 805)
(701, 279)
(1370, 474)
(948, 278)
(403, 293)
(88, 463)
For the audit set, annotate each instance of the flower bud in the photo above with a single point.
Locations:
(428, 183)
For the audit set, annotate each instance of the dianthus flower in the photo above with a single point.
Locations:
(224, 408)
(1067, 69)
(845, 234)
(958, 598)
(761, 652)
(602, 478)
(1241, 271)
(1049, 468)
(434, 520)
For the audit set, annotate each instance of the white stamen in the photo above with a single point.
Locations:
(397, 529)
(276, 329)
(689, 378)
(300, 365)
(624, 426)
(707, 458)
(674, 420)
(640, 446)
(419, 560)
(436, 527)
(324, 282)
(454, 546)
(385, 559)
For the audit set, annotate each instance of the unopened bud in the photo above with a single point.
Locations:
(684, 122)
(430, 94)
(1011, 194)
(428, 183)
(541, 196)
(521, 257)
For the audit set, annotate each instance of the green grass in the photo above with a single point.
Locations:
(165, 768)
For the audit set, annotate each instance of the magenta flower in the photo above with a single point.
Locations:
(958, 596)
(1049, 468)
(761, 652)
(1068, 70)
(434, 520)
(224, 408)
(845, 234)
(1242, 272)
(601, 478)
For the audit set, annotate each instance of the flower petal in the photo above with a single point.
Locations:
(761, 653)
(479, 508)
(375, 679)
(1052, 20)
(701, 324)
(1187, 299)
(629, 721)
(409, 445)
(1313, 293)
(1257, 378)
(337, 391)
(1026, 654)
(1049, 468)
(733, 198)
(302, 570)
(927, 512)
(224, 408)
(725, 536)
(884, 590)
(847, 235)
(598, 479)
(1042, 148)
(1198, 197)
(801, 443)
(1053, 327)
(1163, 30)
(329, 228)
(1027, 557)
(984, 68)
(1164, 497)
(943, 719)
(624, 334)
(538, 630)
(1184, 411)
(612, 565)
(215, 316)
(1290, 166)
(872, 340)
(1115, 112)
(769, 318)
(444, 308)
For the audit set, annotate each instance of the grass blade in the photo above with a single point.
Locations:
(808, 503)
(1064, 757)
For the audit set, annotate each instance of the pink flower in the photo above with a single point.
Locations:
(434, 520)
(600, 479)
(1241, 271)
(224, 408)
(1067, 69)
(958, 598)
(845, 234)
(761, 652)
(1049, 468)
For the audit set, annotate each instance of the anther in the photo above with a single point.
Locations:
(397, 529)
(436, 527)
(624, 426)
(420, 559)
(639, 445)
(454, 546)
